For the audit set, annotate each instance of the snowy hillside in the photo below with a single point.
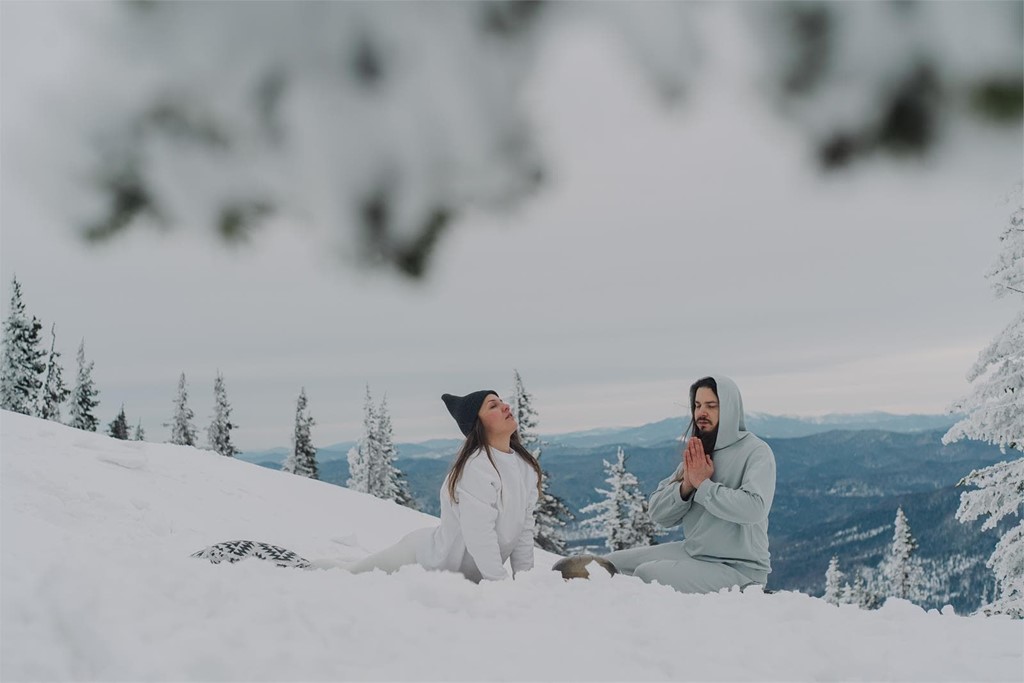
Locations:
(97, 585)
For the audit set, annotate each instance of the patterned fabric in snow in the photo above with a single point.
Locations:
(233, 551)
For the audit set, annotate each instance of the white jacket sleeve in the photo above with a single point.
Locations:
(477, 493)
(522, 554)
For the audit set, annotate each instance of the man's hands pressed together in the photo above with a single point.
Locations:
(697, 467)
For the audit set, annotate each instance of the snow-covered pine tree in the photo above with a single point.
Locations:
(356, 469)
(53, 392)
(643, 526)
(219, 432)
(833, 582)
(139, 434)
(995, 408)
(999, 493)
(995, 413)
(394, 485)
(551, 513)
(378, 470)
(526, 416)
(83, 396)
(846, 594)
(302, 459)
(865, 593)
(362, 456)
(23, 364)
(622, 516)
(183, 432)
(118, 428)
(901, 571)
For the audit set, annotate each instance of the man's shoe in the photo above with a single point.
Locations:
(575, 566)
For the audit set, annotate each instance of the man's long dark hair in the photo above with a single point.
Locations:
(708, 439)
(476, 440)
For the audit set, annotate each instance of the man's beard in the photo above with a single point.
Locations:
(707, 438)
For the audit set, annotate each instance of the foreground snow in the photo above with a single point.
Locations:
(97, 585)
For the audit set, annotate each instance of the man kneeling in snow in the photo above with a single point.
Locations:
(721, 493)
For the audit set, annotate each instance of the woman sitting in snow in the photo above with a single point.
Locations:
(487, 500)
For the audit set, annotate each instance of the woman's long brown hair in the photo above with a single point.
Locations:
(476, 440)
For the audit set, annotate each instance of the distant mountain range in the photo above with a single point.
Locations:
(669, 429)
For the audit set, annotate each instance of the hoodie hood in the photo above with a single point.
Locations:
(731, 424)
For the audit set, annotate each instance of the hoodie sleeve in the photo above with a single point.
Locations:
(750, 503)
(477, 493)
(666, 506)
(522, 554)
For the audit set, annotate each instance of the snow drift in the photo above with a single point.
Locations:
(97, 585)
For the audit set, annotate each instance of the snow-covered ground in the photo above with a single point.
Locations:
(97, 585)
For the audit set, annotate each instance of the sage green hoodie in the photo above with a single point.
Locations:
(726, 518)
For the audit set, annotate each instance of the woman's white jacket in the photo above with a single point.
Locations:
(490, 522)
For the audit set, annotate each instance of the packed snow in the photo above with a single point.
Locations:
(98, 585)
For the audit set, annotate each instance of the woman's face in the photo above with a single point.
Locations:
(496, 416)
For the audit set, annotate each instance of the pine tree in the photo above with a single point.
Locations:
(995, 408)
(999, 493)
(833, 582)
(900, 570)
(84, 396)
(183, 432)
(864, 592)
(302, 459)
(23, 365)
(219, 432)
(53, 392)
(363, 455)
(119, 426)
(551, 513)
(846, 594)
(394, 485)
(139, 434)
(378, 466)
(995, 414)
(372, 463)
(643, 527)
(526, 416)
(622, 516)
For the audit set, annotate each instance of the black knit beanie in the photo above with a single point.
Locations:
(466, 408)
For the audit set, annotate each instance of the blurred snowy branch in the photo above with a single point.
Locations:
(378, 123)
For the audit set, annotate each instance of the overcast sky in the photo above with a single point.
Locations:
(667, 244)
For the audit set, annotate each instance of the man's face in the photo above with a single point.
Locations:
(705, 410)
